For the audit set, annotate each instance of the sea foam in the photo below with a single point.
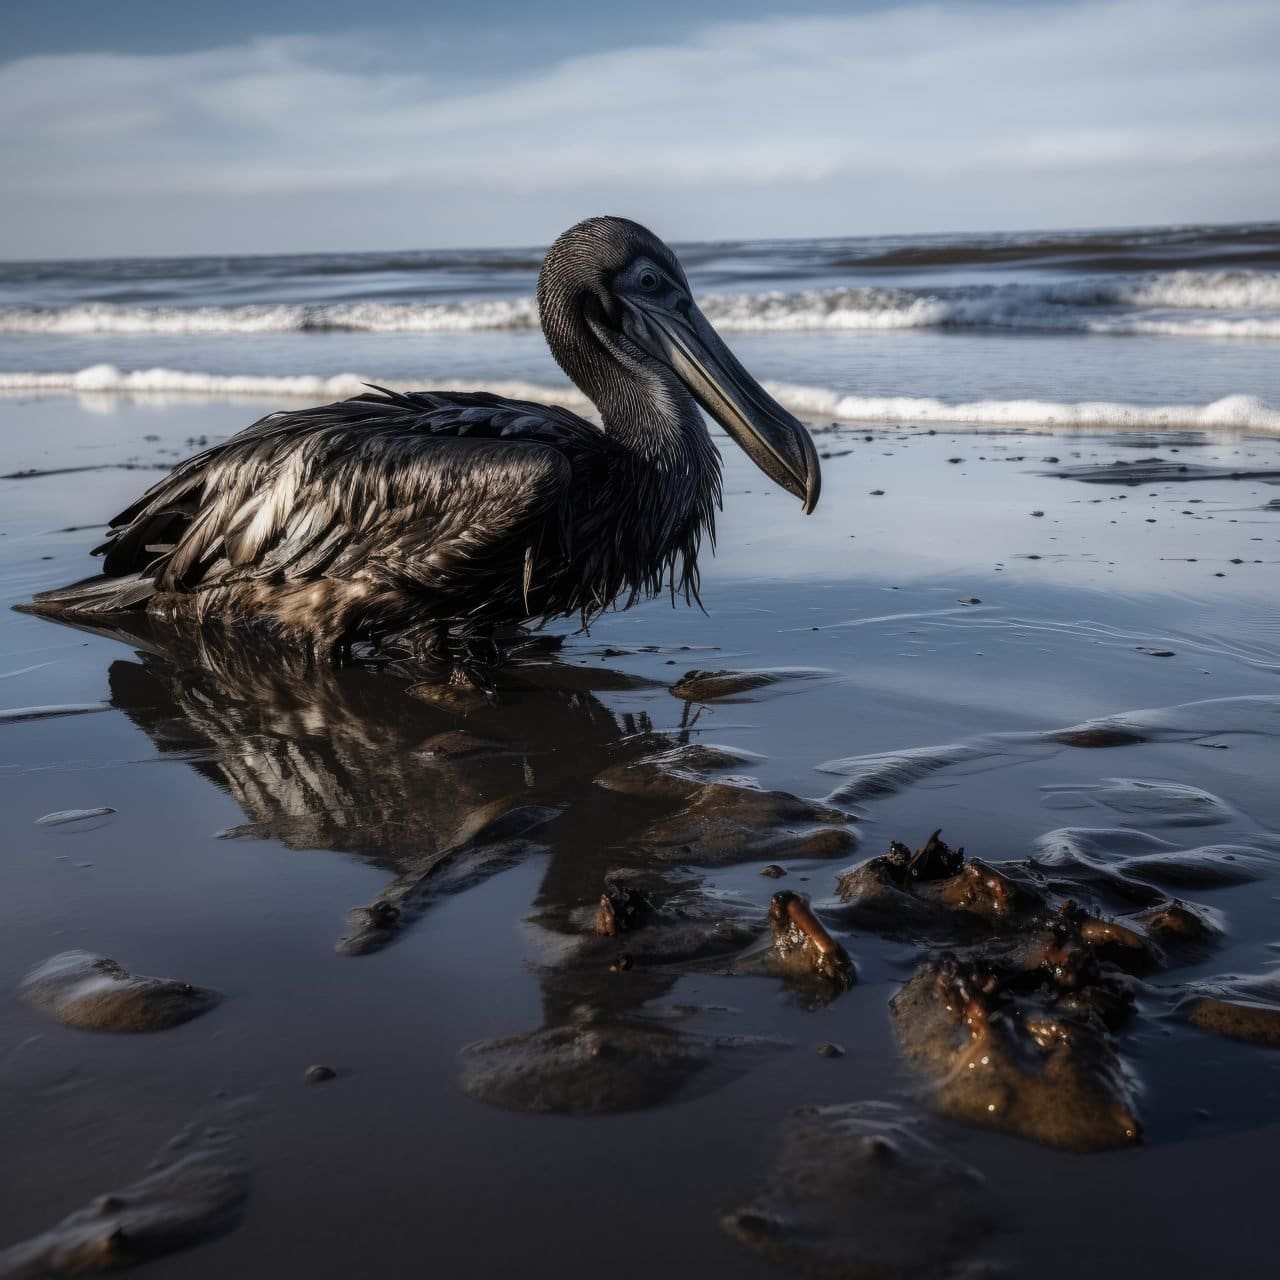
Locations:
(821, 405)
(1112, 305)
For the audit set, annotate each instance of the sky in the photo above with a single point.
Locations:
(148, 127)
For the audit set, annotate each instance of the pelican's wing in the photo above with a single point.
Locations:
(416, 490)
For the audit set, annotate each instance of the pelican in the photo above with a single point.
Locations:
(443, 517)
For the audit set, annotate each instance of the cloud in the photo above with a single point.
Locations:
(1149, 99)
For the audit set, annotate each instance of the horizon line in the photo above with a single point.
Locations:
(1099, 229)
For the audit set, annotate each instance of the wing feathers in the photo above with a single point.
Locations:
(423, 491)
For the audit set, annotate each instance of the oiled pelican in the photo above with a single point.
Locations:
(438, 514)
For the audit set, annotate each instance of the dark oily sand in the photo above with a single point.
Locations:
(651, 921)
(1240, 1008)
(1014, 1035)
(674, 924)
(195, 1190)
(1157, 471)
(858, 1192)
(1023, 1069)
(1099, 738)
(801, 943)
(938, 890)
(38, 473)
(601, 1068)
(722, 824)
(655, 911)
(96, 994)
(801, 950)
(461, 699)
(1017, 1033)
(710, 686)
(1181, 926)
(675, 774)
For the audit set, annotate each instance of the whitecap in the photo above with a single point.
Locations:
(1065, 306)
(1234, 412)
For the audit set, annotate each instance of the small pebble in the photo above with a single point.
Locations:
(319, 1073)
(773, 871)
(830, 1050)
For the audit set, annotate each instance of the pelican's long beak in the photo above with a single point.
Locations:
(775, 441)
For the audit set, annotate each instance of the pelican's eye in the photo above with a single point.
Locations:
(649, 280)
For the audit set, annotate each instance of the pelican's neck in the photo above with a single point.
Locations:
(673, 476)
(663, 489)
(668, 493)
(655, 420)
(649, 412)
(674, 464)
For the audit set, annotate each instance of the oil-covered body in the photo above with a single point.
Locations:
(435, 513)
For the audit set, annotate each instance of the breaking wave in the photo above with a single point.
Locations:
(106, 379)
(1242, 304)
(820, 404)
(359, 317)
(1237, 412)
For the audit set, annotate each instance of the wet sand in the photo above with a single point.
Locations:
(954, 590)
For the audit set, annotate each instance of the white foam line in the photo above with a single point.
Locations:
(106, 379)
(359, 317)
(1235, 412)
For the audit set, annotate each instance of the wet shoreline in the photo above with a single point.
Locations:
(952, 630)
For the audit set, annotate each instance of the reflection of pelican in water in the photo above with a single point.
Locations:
(349, 760)
(442, 512)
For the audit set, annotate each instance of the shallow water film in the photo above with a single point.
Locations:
(926, 927)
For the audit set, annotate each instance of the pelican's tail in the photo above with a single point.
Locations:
(97, 594)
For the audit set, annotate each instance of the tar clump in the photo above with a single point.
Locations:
(92, 992)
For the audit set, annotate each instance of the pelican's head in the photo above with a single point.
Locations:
(614, 301)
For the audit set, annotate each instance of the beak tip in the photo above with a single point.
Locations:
(812, 471)
(812, 489)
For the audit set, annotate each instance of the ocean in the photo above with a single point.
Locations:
(1144, 327)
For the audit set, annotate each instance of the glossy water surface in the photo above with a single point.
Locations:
(235, 812)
